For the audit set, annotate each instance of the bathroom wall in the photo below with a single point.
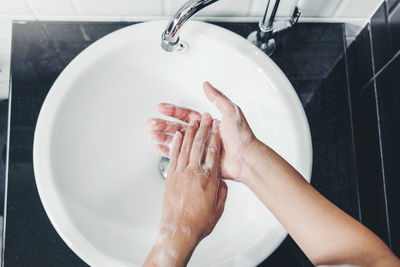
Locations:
(126, 8)
(374, 74)
(354, 13)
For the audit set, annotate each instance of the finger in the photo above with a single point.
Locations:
(213, 150)
(221, 197)
(180, 113)
(162, 150)
(165, 126)
(223, 103)
(187, 142)
(160, 137)
(174, 151)
(199, 141)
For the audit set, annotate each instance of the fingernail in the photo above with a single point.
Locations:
(165, 107)
(177, 135)
(152, 136)
(157, 149)
(151, 123)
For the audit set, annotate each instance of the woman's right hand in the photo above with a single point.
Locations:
(237, 137)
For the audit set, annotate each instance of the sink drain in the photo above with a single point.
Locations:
(164, 161)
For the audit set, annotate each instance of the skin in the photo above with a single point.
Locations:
(326, 234)
(194, 196)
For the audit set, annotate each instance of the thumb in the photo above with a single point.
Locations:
(223, 103)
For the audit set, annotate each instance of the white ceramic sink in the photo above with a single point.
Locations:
(96, 172)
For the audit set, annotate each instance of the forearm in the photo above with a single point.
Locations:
(325, 233)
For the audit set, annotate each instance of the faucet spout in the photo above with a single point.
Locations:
(170, 37)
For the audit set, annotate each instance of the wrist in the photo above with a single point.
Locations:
(174, 246)
(249, 171)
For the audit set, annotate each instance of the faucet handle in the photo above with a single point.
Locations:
(283, 25)
(263, 38)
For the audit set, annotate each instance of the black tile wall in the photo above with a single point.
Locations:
(394, 21)
(388, 96)
(370, 177)
(360, 59)
(392, 4)
(3, 148)
(381, 40)
(375, 102)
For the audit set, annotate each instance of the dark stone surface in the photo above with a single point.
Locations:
(311, 55)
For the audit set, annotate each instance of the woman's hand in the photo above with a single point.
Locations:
(237, 138)
(194, 196)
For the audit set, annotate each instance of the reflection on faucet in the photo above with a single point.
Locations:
(263, 38)
(170, 37)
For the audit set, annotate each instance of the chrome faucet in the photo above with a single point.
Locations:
(170, 37)
(268, 28)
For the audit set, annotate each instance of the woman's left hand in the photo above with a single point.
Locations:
(194, 196)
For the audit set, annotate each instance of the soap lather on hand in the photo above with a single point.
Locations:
(194, 196)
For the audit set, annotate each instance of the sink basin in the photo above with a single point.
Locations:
(96, 173)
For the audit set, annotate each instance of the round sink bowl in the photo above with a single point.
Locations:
(96, 173)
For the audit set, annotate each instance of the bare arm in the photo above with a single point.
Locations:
(325, 233)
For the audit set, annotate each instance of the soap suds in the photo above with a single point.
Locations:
(176, 135)
(172, 252)
(171, 227)
(186, 231)
(169, 256)
(171, 144)
(202, 172)
(163, 259)
(161, 238)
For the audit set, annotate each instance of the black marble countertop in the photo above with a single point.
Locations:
(311, 55)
